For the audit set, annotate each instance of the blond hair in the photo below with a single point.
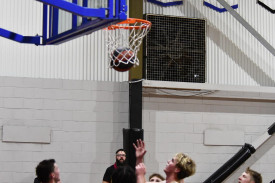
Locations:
(186, 164)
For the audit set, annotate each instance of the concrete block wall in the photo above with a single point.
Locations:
(85, 121)
(84, 118)
(178, 124)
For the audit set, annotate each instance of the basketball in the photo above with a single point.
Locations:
(122, 59)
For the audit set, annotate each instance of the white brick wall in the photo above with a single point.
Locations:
(86, 119)
(177, 124)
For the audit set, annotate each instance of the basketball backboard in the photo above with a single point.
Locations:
(64, 20)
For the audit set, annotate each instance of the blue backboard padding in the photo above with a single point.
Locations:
(221, 10)
(19, 38)
(165, 4)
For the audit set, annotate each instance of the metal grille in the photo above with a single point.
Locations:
(175, 49)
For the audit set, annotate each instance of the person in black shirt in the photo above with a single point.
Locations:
(124, 174)
(120, 161)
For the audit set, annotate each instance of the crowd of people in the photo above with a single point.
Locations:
(176, 170)
(179, 167)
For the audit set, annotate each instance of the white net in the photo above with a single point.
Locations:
(124, 40)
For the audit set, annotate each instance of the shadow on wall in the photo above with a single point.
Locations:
(239, 57)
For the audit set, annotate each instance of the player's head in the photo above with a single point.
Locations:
(181, 165)
(155, 178)
(120, 157)
(250, 176)
(186, 165)
(47, 170)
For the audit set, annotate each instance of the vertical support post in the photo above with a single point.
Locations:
(135, 104)
(136, 11)
(84, 4)
(45, 20)
(55, 21)
(135, 132)
(130, 136)
(111, 8)
(74, 17)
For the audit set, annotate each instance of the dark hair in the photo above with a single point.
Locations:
(124, 174)
(120, 150)
(44, 169)
(254, 175)
(156, 175)
(36, 180)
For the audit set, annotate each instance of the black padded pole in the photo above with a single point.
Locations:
(271, 129)
(135, 104)
(231, 165)
(238, 159)
(130, 136)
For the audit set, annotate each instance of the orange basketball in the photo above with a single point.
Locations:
(122, 59)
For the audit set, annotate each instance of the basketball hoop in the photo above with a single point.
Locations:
(123, 42)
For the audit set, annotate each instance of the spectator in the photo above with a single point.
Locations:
(120, 161)
(124, 174)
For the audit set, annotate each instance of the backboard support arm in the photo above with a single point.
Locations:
(93, 19)
(20, 38)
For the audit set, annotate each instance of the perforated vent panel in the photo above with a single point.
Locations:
(175, 49)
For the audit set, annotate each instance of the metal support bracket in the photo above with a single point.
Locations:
(20, 38)
(98, 19)
(165, 4)
(220, 10)
(92, 19)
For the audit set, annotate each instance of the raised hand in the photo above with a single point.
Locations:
(140, 172)
(140, 150)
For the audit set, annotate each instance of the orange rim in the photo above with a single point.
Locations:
(145, 24)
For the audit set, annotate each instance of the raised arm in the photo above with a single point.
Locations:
(140, 151)
(140, 173)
